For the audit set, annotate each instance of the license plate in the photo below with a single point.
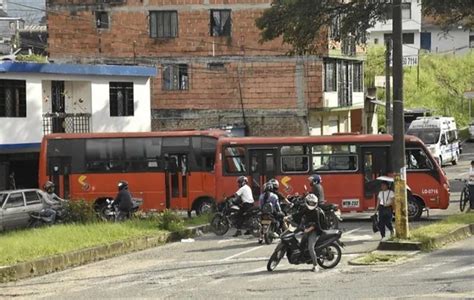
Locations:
(266, 222)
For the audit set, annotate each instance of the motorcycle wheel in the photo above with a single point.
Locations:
(36, 224)
(333, 221)
(104, 215)
(268, 237)
(276, 258)
(255, 227)
(219, 224)
(330, 256)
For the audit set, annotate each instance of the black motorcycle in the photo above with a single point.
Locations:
(46, 217)
(109, 212)
(328, 250)
(332, 215)
(227, 214)
(270, 225)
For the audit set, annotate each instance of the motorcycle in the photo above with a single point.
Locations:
(45, 217)
(109, 212)
(332, 215)
(226, 217)
(328, 250)
(269, 225)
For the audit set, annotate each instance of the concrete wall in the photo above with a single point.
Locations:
(94, 90)
(455, 41)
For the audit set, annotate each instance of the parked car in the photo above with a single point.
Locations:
(16, 206)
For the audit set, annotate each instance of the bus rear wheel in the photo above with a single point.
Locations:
(205, 206)
(415, 208)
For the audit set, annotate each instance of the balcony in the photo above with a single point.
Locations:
(66, 123)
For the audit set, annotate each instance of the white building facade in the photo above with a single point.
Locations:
(39, 99)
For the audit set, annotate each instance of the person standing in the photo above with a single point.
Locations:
(385, 200)
(471, 185)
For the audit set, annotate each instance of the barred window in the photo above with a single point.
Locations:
(358, 77)
(13, 98)
(121, 99)
(330, 78)
(163, 24)
(175, 77)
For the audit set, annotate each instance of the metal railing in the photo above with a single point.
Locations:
(66, 123)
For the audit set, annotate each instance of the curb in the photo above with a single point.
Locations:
(61, 262)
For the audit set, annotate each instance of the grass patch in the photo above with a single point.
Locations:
(25, 245)
(428, 234)
(199, 220)
(377, 258)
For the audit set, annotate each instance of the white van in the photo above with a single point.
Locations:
(440, 136)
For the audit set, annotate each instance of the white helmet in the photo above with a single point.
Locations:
(311, 201)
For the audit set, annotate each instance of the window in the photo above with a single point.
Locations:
(334, 158)
(358, 77)
(163, 24)
(101, 19)
(175, 77)
(406, 11)
(376, 41)
(2, 198)
(387, 37)
(330, 76)
(143, 154)
(471, 41)
(408, 38)
(104, 155)
(32, 198)
(13, 98)
(121, 99)
(294, 159)
(416, 159)
(216, 66)
(234, 160)
(220, 22)
(15, 200)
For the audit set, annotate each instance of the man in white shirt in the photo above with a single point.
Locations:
(385, 200)
(245, 194)
(471, 185)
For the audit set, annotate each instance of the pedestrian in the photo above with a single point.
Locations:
(12, 181)
(385, 200)
(470, 184)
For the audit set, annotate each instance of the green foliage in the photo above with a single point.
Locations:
(80, 211)
(32, 58)
(443, 80)
(447, 13)
(378, 258)
(199, 220)
(374, 64)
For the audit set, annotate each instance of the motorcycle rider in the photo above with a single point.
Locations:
(316, 187)
(52, 202)
(268, 196)
(244, 193)
(276, 185)
(123, 201)
(310, 219)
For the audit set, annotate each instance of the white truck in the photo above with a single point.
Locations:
(440, 136)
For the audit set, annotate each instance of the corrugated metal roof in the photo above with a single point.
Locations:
(77, 69)
(37, 28)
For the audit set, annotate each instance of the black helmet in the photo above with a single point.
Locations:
(275, 184)
(122, 184)
(315, 179)
(49, 187)
(268, 187)
(242, 180)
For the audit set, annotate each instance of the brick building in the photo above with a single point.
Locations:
(212, 70)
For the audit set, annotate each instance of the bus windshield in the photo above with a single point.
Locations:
(428, 136)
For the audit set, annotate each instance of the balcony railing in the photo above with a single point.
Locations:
(66, 123)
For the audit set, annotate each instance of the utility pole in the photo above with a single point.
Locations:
(399, 169)
(388, 104)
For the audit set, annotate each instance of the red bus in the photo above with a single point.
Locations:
(166, 169)
(348, 165)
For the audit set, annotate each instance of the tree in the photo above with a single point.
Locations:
(299, 22)
(452, 12)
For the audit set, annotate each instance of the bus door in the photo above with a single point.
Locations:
(59, 171)
(375, 163)
(262, 168)
(177, 180)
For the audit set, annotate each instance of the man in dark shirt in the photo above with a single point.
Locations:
(123, 201)
(316, 187)
(310, 219)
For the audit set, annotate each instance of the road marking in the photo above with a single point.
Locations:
(241, 253)
(227, 240)
(354, 238)
(460, 270)
(351, 231)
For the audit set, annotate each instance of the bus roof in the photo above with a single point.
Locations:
(325, 139)
(211, 133)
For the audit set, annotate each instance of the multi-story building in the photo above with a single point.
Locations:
(214, 72)
(38, 99)
(411, 26)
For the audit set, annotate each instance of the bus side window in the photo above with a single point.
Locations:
(443, 139)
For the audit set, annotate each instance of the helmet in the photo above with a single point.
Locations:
(275, 184)
(268, 187)
(122, 184)
(311, 201)
(49, 187)
(242, 180)
(315, 179)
